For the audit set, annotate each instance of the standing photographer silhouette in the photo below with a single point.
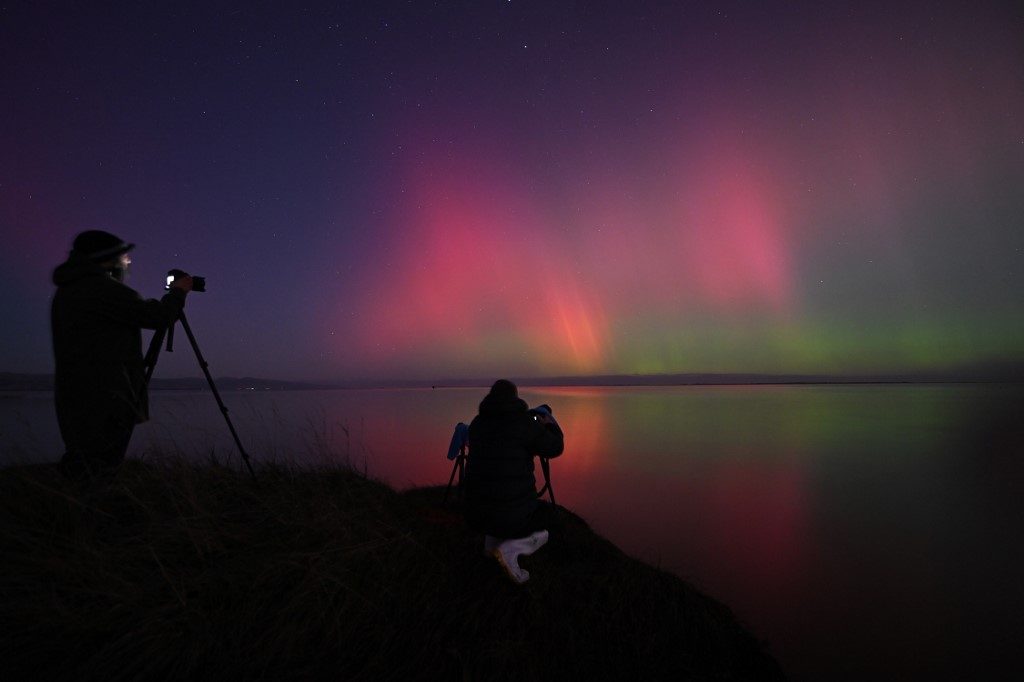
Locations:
(96, 321)
(500, 487)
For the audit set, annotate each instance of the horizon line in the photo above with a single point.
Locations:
(1007, 372)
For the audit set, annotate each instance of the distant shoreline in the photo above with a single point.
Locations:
(988, 374)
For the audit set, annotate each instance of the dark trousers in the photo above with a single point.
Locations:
(543, 517)
(97, 461)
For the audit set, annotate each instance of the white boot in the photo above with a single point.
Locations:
(507, 553)
(534, 542)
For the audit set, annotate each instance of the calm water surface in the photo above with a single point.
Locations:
(865, 532)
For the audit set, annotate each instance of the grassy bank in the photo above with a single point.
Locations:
(187, 571)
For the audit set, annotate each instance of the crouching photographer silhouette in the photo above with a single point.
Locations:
(501, 500)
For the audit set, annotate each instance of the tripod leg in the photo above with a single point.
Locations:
(216, 394)
(545, 467)
(152, 354)
(455, 469)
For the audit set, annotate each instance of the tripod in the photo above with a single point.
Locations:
(150, 362)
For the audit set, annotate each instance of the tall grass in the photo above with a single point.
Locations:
(180, 570)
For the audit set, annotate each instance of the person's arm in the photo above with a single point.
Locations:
(124, 305)
(548, 440)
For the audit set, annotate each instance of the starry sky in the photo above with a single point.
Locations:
(421, 190)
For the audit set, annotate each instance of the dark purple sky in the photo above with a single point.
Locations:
(421, 190)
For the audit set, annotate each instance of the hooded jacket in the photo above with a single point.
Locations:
(97, 345)
(500, 484)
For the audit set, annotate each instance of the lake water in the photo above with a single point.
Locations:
(866, 532)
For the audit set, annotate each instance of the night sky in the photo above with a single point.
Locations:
(428, 190)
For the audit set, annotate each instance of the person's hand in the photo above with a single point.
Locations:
(184, 283)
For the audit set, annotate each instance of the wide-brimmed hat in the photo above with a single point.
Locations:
(98, 246)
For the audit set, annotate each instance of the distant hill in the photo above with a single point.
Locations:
(11, 381)
(981, 372)
(986, 373)
(236, 384)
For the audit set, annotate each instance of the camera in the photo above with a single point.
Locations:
(540, 409)
(198, 283)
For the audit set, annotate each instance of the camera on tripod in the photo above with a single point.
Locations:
(544, 409)
(166, 332)
(198, 283)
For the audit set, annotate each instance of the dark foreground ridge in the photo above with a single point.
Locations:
(199, 572)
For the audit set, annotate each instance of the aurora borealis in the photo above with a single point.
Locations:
(403, 190)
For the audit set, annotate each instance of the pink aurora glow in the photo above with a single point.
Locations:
(489, 259)
(479, 262)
